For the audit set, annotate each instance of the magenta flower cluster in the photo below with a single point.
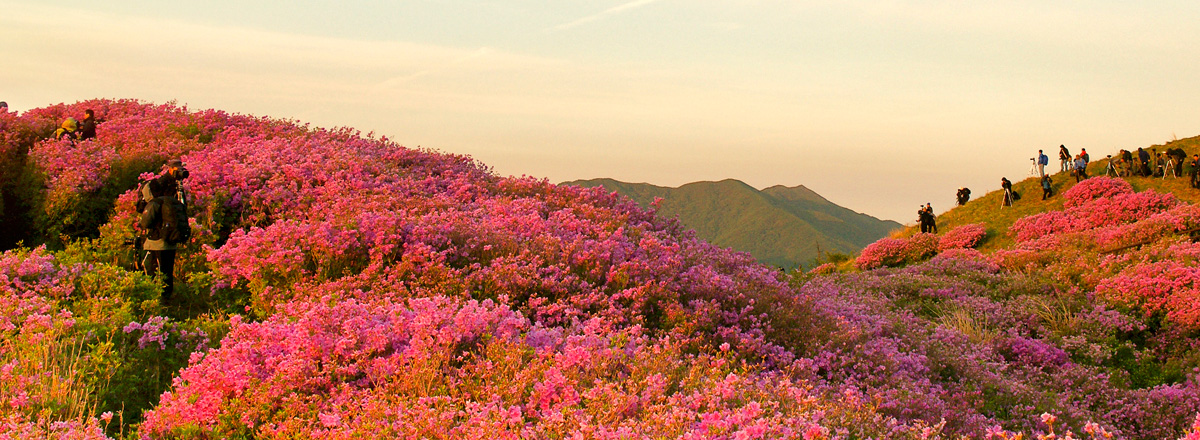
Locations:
(963, 237)
(889, 252)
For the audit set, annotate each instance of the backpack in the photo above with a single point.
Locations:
(174, 228)
(140, 204)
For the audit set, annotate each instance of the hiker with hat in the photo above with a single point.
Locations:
(163, 223)
(3, 106)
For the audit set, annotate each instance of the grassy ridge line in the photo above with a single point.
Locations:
(986, 209)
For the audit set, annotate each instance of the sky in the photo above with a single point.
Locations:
(878, 105)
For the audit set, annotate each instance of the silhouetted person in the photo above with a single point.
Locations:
(1195, 163)
(1064, 159)
(3, 106)
(931, 218)
(1144, 162)
(1126, 163)
(87, 127)
(1177, 156)
(922, 220)
(964, 196)
(1008, 192)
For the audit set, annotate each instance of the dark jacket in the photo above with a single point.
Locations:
(87, 128)
(151, 219)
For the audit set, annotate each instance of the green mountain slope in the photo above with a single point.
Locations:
(780, 226)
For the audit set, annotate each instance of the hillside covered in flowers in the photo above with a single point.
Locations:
(343, 286)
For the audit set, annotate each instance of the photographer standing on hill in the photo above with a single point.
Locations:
(964, 195)
(1043, 160)
(1008, 192)
(164, 223)
(1144, 161)
(1064, 159)
(1195, 163)
(1080, 168)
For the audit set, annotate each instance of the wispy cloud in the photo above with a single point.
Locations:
(607, 13)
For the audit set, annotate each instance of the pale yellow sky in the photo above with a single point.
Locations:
(877, 105)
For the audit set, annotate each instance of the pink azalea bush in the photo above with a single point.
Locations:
(1117, 210)
(963, 237)
(1099, 187)
(888, 252)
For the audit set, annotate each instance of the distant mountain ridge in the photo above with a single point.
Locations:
(780, 226)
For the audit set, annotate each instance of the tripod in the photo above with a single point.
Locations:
(1008, 198)
(1033, 169)
(1111, 171)
(1170, 165)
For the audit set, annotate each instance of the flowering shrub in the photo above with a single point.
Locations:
(963, 237)
(1163, 286)
(1119, 209)
(897, 251)
(1099, 187)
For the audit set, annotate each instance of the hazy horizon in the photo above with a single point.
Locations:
(876, 105)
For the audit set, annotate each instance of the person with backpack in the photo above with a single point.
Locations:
(67, 130)
(1064, 159)
(1047, 188)
(164, 223)
(964, 195)
(1043, 160)
(1080, 168)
